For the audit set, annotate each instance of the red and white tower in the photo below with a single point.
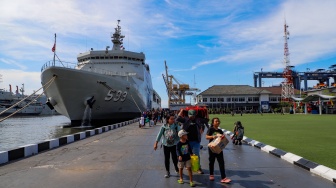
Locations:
(287, 84)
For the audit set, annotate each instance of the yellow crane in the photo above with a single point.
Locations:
(176, 91)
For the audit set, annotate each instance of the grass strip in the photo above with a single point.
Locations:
(310, 136)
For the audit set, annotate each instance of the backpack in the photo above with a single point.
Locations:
(240, 133)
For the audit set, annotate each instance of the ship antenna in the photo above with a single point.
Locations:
(117, 38)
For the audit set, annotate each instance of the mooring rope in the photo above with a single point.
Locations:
(49, 82)
(136, 104)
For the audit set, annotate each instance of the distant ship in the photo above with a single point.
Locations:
(113, 85)
(8, 99)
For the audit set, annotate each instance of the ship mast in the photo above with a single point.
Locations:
(287, 84)
(117, 38)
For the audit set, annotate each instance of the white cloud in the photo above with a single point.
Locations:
(226, 33)
(31, 80)
(312, 28)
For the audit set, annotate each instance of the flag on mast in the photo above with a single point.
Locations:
(54, 47)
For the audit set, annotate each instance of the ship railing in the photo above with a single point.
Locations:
(95, 70)
(58, 64)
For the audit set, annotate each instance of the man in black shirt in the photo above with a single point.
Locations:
(195, 127)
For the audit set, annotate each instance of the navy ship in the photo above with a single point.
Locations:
(113, 84)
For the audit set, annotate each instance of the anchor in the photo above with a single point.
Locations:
(90, 101)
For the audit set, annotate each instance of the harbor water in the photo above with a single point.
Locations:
(20, 131)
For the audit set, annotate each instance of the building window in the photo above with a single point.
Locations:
(220, 99)
(212, 99)
(241, 99)
(273, 99)
(250, 99)
(205, 99)
(248, 107)
(235, 99)
(255, 99)
(228, 99)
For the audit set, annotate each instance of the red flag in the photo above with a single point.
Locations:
(53, 48)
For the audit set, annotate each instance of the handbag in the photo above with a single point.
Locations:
(194, 163)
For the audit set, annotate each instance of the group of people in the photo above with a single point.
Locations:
(184, 140)
(152, 117)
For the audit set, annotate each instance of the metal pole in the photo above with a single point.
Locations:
(305, 108)
(320, 106)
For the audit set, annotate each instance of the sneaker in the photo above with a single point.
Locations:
(167, 175)
(225, 180)
(200, 171)
(192, 184)
(180, 181)
(211, 177)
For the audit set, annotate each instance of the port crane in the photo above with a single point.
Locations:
(177, 91)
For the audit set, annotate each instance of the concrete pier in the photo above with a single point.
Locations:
(124, 157)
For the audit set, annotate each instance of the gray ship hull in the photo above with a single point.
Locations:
(117, 98)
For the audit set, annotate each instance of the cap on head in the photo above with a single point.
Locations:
(191, 113)
(182, 132)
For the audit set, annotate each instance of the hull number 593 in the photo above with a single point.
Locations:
(116, 95)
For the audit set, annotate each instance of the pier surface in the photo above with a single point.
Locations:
(124, 157)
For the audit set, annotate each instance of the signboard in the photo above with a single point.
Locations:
(264, 105)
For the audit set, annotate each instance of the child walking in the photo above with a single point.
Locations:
(184, 151)
(212, 134)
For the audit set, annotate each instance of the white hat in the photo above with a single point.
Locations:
(182, 132)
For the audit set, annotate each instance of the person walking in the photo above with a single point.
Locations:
(184, 153)
(169, 134)
(213, 132)
(195, 127)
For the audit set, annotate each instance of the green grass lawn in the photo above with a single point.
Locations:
(312, 137)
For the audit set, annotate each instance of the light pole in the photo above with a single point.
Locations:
(299, 83)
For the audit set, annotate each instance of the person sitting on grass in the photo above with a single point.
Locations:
(238, 133)
(184, 151)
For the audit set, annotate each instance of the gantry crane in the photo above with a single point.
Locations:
(175, 90)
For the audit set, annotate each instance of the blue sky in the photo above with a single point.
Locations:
(218, 42)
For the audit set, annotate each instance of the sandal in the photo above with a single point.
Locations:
(211, 177)
(180, 181)
(225, 180)
(192, 184)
